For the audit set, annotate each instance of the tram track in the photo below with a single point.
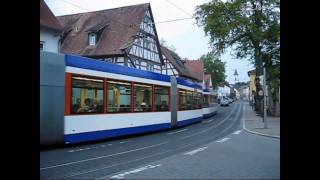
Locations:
(218, 128)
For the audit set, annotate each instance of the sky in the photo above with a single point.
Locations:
(188, 39)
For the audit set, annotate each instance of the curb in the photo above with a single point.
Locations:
(253, 132)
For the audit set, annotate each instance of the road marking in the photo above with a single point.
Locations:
(177, 131)
(223, 140)
(106, 167)
(203, 131)
(195, 151)
(237, 132)
(100, 157)
(124, 142)
(109, 144)
(122, 175)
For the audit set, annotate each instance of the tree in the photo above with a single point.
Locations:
(250, 27)
(215, 67)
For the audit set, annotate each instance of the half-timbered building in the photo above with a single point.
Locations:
(125, 36)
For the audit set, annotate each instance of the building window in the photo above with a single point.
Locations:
(119, 97)
(87, 95)
(41, 45)
(142, 97)
(161, 98)
(92, 39)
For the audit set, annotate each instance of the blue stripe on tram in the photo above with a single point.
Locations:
(96, 135)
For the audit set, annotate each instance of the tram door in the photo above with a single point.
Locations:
(173, 95)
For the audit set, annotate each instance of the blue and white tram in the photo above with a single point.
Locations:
(210, 104)
(83, 99)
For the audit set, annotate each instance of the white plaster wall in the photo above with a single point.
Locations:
(51, 40)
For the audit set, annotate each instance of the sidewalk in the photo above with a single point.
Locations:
(254, 124)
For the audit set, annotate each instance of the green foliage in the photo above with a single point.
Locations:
(251, 27)
(215, 67)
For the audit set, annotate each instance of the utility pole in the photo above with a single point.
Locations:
(265, 89)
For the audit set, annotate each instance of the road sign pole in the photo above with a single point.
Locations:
(265, 89)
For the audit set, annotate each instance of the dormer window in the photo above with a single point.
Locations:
(92, 39)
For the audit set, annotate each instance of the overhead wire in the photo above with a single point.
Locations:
(126, 25)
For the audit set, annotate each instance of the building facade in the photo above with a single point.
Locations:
(50, 30)
(252, 84)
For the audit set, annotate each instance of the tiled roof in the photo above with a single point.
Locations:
(47, 18)
(196, 67)
(116, 29)
(178, 64)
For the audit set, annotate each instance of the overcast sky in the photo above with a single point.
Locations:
(188, 39)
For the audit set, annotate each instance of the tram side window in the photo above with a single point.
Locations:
(119, 97)
(87, 95)
(161, 98)
(196, 101)
(190, 103)
(206, 100)
(142, 97)
(185, 100)
(182, 100)
(214, 99)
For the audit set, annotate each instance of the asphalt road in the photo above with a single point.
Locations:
(208, 149)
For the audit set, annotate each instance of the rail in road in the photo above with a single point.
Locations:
(95, 160)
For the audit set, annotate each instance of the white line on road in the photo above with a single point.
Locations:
(106, 167)
(177, 131)
(195, 151)
(124, 142)
(100, 157)
(237, 132)
(211, 127)
(223, 140)
(121, 176)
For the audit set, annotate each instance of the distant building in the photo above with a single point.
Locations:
(252, 83)
(50, 29)
(207, 82)
(175, 66)
(224, 89)
(196, 67)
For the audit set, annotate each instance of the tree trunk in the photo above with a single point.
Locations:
(259, 72)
